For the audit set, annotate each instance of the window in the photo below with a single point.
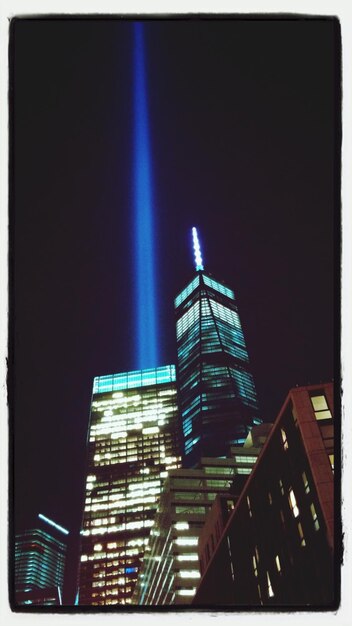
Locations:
(190, 509)
(293, 503)
(224, 484)
(255, 566)
(320, 406)
(189, 573)
(314, 516)
(331, 459)
(305, 482)
(231, 559)
(243, 470)
(284, 439)
(270, 498)
(188, 495)
(225, 471)
(270, 589)
(241, 458)
(278, 564)
(301, 535)
(249, 506)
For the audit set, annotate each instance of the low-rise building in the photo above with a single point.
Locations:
(277, 545)
(170, 572)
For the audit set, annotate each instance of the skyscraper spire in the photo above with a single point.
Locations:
(197, 253)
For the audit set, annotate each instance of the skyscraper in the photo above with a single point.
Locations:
(40, 554)
(218, 400)
(132, 443)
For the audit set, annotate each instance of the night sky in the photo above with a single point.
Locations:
(243, 132)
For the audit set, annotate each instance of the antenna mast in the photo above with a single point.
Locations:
(197, 253)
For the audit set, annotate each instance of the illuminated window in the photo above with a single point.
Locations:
(256, 554)
(187, 291)
(181, 525)
(301, 535)
(98, 546)
(191, 573)
(331, 459)
(284, 439)
(314, 516)
(186, 541)
(270, 589)
(255, 565)
(245, 459)
(293, 503)
(278, 564)
(305, 482)
(270, 498)
(187, 557)
(218, 287)
(249, 506)
(320, 406)
(219, 470)
(186, 592)
(281, 487)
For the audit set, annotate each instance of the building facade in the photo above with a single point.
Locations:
(218, 401)
(132, 443)
(39, 566)
(277, 547)
(170, 572)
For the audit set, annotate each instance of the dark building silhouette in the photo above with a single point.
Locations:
(277, 546)
(40, 554)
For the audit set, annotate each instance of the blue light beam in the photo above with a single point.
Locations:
(145, 278)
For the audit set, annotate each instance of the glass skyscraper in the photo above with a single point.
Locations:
(218, 400)
(132, 443)
(40, 563)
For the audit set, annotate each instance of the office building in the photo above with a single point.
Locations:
(170, 572)
(132, 443)
(218, 400)
(39, 566)
(277, 547)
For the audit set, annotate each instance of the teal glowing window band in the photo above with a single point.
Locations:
(138, 378)
(210, 282)
(187, 291)
(214, 284)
